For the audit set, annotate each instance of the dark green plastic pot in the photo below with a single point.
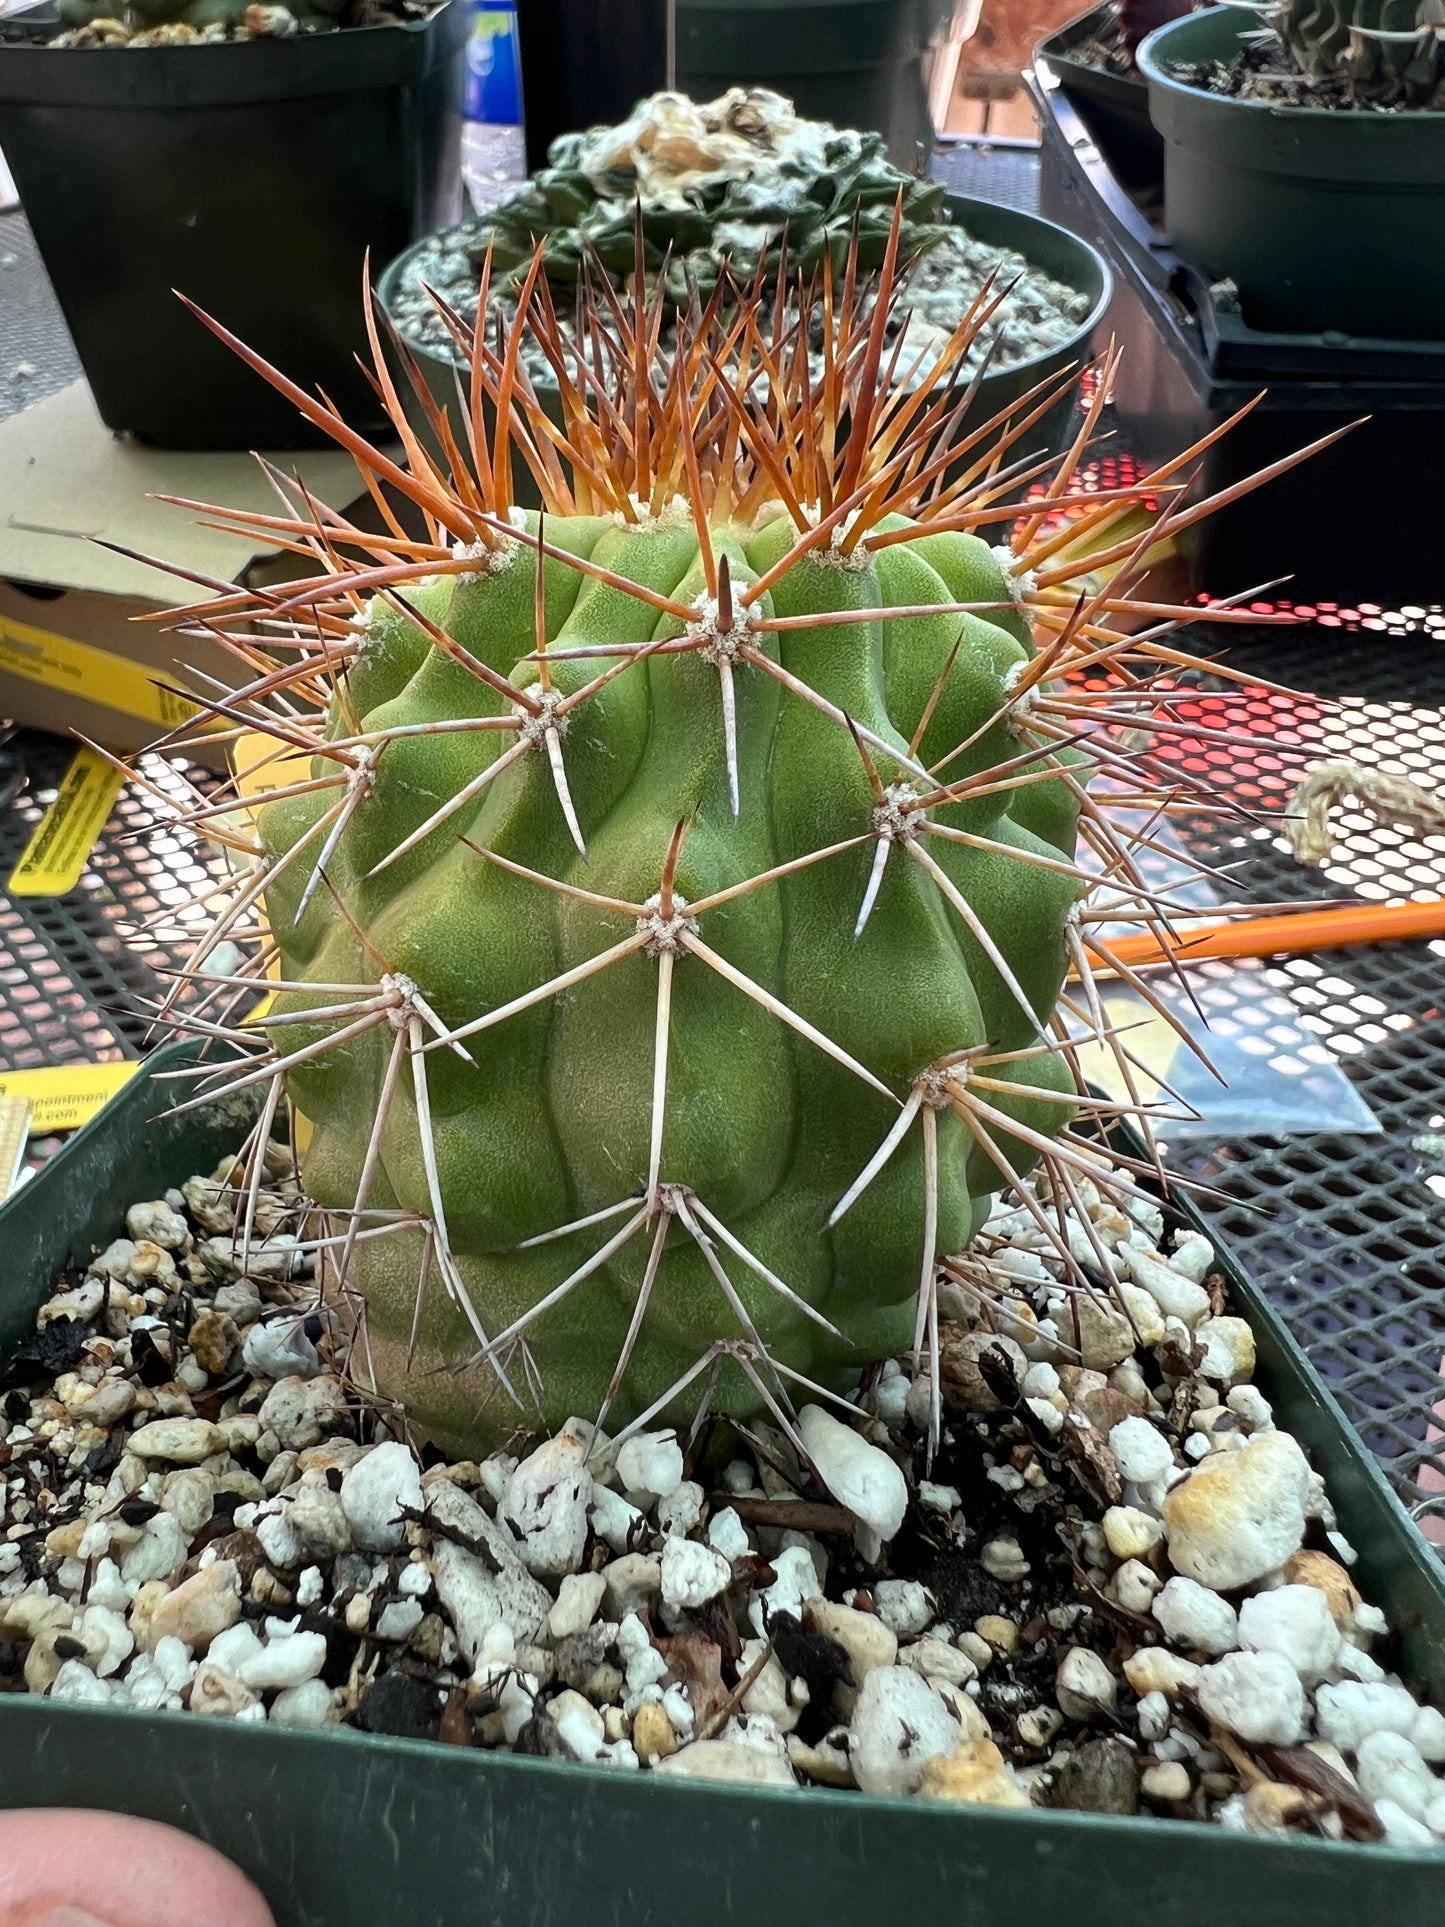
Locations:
(253, 176)
(343, 1829)
(1324, 219)
(1054, 249)
(856, 63)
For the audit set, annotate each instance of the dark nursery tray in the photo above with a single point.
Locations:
(343, 1829)
(1113, 105)
(1340, 526)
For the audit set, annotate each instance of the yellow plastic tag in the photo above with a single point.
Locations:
(14, 1130)
(1153, 1045)
(62, 1097)
(51, 862)
(263, 764)
(98, 675)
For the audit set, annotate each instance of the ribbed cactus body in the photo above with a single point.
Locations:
(547, 1116)
(1388, 51)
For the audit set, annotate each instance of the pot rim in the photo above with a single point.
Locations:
(958, 204)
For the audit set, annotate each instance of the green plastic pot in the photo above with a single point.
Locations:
(343, 1829)
(1054, 249)
(1324, 219)
(856, 63)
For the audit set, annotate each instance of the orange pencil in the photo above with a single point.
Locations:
(1289, 933)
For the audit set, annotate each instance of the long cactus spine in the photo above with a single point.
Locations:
(669, 929)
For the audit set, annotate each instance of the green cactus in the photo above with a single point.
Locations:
(1391, 52)
(740, 178)
(673, 911)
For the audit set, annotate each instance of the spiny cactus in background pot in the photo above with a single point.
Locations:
(670, 916)
(1390, 52)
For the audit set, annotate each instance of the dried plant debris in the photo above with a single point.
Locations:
(741, 180)
(1380, 795)
(1116, 1586)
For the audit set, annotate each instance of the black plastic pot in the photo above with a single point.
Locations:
(857, 63)
(343, 1829)
(1336, 526)
(1062, 255)
(1323, 218)
(253, 176)
(1117, 105)
(586, 63)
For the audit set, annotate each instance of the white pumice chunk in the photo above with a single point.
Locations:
(1295, 1621)
(860, 1476)
(796, 1582)
(1348, 1712)
(1389, 1767)
(1255, 1695)
(899, 1723)
(727, 1534)
(545, 1506)
(1195, 1617)
(1140, 1450)
(650, 1466)
(904, 1606)
(1084, 1686)
(377, 1492)
(1193, 1256)
(692, 1574)
(614, 1518)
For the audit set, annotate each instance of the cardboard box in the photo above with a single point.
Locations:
(72, 654)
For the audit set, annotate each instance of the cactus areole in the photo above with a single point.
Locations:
(671, 911)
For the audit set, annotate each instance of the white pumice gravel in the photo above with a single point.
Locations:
(201, 1513)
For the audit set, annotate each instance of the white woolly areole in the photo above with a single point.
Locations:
(1018, 707)
(894, 818)
(1021, 582)
(494, 557)
(665, 934)
(715, 644)
(854, 560)
(533, 728)
(675, 513)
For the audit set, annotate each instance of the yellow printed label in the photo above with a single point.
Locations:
(97, 675)
(51, 862)
(62, 1097)
(1152, 1042)
(264, 764)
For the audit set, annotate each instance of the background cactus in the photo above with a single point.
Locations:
(1387, 51)
(92, 19)
(670, 921)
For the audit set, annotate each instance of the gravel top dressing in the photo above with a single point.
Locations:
(1117, 1588)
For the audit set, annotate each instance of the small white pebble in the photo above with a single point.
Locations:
(1256, 1695)
(727, 1534)
(903, 1605)
(1295, 1621)
(1196, 1617)
(1141, 1453)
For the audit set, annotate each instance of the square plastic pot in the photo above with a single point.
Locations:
(253, 176)
(343, 1829)
(1337, 527)
(1324, 218)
